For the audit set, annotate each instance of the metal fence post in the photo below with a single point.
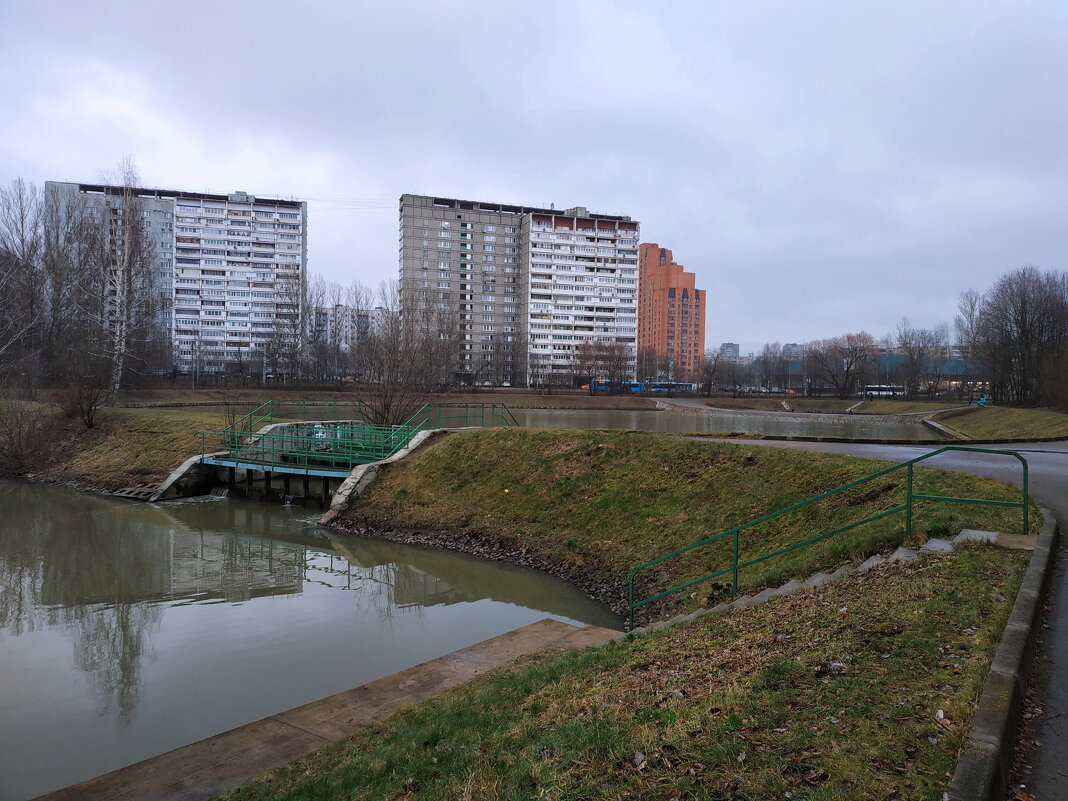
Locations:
(908, 503)
(1025, 496)
(734, 563)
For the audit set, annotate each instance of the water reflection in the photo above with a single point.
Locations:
(111, 612)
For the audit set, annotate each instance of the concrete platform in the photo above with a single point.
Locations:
(205, 769)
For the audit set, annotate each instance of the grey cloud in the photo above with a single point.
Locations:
(822, 166)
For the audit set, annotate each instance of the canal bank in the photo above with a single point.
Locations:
(571, 472)
(589, 506)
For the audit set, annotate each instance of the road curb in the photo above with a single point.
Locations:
(982, 772)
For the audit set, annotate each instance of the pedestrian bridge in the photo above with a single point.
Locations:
(264, 440)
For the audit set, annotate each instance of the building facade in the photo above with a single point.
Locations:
(671, 314)
(532, 290)
(731, 351)
(232, 269)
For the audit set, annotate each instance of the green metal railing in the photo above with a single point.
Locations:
(735, 533)
(296, 446)
(462, 415)
(336, 445)
(274, 411)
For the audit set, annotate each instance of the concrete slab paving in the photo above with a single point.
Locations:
(206, 768)
(974, 535)
(1017, 542)
(937, 546)
(870, 562)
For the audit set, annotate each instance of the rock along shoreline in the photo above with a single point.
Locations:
(611, 592)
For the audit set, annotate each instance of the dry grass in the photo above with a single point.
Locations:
(603, 502)
(832, 694)
(1002, 422)
(128, 446)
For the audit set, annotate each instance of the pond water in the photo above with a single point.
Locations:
(684, 421)
(723, 422)
(129, 629)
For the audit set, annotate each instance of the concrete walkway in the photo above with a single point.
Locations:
(1048, 463)
(207, 768)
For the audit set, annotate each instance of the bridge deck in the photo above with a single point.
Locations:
(295, 469)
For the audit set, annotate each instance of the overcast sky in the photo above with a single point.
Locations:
(822, 167)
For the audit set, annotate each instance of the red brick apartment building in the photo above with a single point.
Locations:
(671, 312)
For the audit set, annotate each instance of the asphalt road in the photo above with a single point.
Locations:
(1048, 468)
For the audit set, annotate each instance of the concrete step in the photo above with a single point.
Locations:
(870, 562)
(818, 580)
(937, 546)
(792, 587)
(765, 595)
(903, 554)
(842, 572)
(141, 493)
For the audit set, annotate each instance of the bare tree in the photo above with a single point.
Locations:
(710, 365)
(129, 312)
(841, 362)
(409, 354)
(966, 330)
(20, 277)
(1021, 335)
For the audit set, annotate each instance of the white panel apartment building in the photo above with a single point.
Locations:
(232, 266)
(528, 286)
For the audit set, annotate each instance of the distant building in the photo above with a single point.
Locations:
(528, 287)
(346, 325)
(730, 350)
(671, 311)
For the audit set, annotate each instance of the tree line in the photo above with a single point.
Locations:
(86, 311)
(1009, 343)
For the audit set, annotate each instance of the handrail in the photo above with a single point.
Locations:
(340, 442)
(905, 507)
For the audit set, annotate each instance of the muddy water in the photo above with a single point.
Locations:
(127, 629)
(685, 421)
(722, 422)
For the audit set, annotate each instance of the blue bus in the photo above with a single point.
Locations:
(605, 385)
(668, 386)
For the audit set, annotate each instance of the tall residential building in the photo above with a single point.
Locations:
(671, 312)
(730, 350)
(793, 351)
(528, 287)
(232, 268)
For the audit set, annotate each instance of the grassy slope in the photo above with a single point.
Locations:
(129, 446)
(831, 694)
(1002, 422)
(603, 502)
